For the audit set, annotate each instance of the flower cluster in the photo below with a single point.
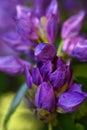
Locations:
(50, 80)
(53, 79)
(32, 26)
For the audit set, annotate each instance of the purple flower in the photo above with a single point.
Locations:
(40, 7)
(72, 26)
(22, 28)
(27, 22)
(52, 29)
(49, 78)
(44, 97)
(7, 14)
(36, 76)
(52, 21)
(13, 65)
(44, 52)
(77, 88)
(16, 42)
(59, 62)
(72, 99)
(76, 47)
(8, 26)
(57, 75)
(29, 32)
(60, 76)
(40, 22)
(46, 70)
(6, 50)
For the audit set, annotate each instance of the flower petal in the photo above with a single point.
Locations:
(61, 75)
(77, 88)
(26, 23)
(12, 65)
(70, 101)
(76, 47)
(44, 97)
(51, 29)
(59, 62)
(72, 26)
(46, 70)
(44, 52)
(36, 76)
(41, 7)
(58, 77)
(52, 15)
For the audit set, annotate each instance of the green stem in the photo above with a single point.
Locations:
(59, 51)
(49, 126)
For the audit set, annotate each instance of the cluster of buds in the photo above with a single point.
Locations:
(52, 82)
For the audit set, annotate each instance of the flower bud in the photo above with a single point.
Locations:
(51, 29)
(72, 26)
(72, 99)
(44, 97)
(53, 10)
(59, 62)
(60, 76)
(52, 15)
(46, 70)
(76, 48)
(36, 76)
(44, 52)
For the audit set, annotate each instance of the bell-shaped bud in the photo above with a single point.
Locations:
(76, 48)
(52, 15)
(52, 10)
(36, 76)
(60, 76)
(45, 98)
(59, 62)
(72, 26)
(44, 52)
(72, 99)
(46, 70)
(51, 29)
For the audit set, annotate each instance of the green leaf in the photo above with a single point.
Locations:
(66, 122)
(83, 81)
(79, 127)
(80, 69)
(17, 99)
